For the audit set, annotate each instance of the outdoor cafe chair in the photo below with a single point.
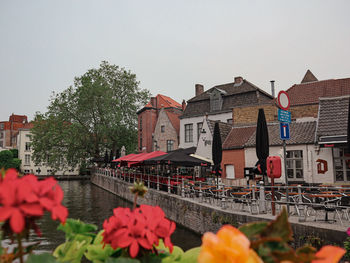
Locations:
(243, 199)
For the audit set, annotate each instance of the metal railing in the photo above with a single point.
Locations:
(306, 202)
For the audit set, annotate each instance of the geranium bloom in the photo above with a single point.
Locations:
(348, 231)
(141, 227)
(228, 245)
(22, 200)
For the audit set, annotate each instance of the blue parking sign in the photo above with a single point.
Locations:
(284, 131)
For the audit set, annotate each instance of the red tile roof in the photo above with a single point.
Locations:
(174, 119)
(164, 102)
(310, 92)
(238, 137)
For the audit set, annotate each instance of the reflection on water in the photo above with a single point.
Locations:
(93, 205)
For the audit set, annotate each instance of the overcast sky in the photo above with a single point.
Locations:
(169, 45)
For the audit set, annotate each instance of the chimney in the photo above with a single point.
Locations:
(183, 105)
(272, 88)
(238, 80)
(154, 102)
(199, 89)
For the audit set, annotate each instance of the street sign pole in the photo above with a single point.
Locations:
(285, 173)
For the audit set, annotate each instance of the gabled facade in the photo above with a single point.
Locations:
(205, 139)
(166, 132)
(147, 120)
(217, 104)
(9, 130)
(304, 97)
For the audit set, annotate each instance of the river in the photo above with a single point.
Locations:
(93, 205)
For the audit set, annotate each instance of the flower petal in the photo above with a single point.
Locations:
(329, 254)
(134, 249)
(32, 209)
(60, 212)
(5, 212)
(17, 221)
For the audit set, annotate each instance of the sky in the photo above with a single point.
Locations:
(169, 45)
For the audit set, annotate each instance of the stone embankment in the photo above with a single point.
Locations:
(202, 217)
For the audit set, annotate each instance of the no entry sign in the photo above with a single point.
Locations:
(283, 100)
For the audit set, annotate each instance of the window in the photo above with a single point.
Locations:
(162, 128)
(140, 123)
(229, 121)
(294, 161)
(27, 146)
(1, 126)
(27, 159)
(1, 135)
(1, 144)
(230, 171)
(189, 132)
(169, 145)
(199, 129)
(29, 137)
(215, 101)
(341, 165)
(140, 141)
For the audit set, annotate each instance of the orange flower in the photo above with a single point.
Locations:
(329, 254)
(228, 245)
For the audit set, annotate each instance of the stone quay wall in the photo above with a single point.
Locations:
(202, 217)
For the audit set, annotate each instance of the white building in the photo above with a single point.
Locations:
(216, 104)
(25, 153)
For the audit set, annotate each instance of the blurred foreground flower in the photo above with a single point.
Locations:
(228, 245)
(24, 199)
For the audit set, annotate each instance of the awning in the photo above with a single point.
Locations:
(124, 157)
(202, 158)
(139, 159)
(328, 140)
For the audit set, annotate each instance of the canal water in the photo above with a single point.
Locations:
(93, 205)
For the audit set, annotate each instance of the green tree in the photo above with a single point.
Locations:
(7, 160)
(97, 113)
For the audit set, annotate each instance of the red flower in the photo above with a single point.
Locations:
(22, 200)
(137, 229)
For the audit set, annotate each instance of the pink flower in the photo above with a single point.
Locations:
(348, 231)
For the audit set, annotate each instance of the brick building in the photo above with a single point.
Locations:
(147, 122)
(304, 97)
(9, 130)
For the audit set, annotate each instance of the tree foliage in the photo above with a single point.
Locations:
(97, 113)
(8, 160)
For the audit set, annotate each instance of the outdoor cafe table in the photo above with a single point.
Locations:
(326, 196)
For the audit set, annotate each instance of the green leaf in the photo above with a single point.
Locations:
(176, 255)
(98, 252)
(253, 230)
(73, 227)
(190, 256)
(41, 258)
(122, 260)
(279, 228)
(72, 251)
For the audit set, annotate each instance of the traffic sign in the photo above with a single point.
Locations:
(283, 100)
(284, 116)
(284, 131)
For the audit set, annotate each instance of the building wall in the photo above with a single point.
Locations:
(223, 117)
(23, 138)
(205, 142)
(310, 157)
(237, 159)
(304, 111)
(149, 119)
(168, 134)
(245, 115)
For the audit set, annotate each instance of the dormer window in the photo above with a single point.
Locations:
(215, 100)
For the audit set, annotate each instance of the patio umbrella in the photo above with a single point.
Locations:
(106, 158)
(348, 132)
(217, 151)
(262, 142)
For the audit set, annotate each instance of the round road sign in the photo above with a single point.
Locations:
(283, 100)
